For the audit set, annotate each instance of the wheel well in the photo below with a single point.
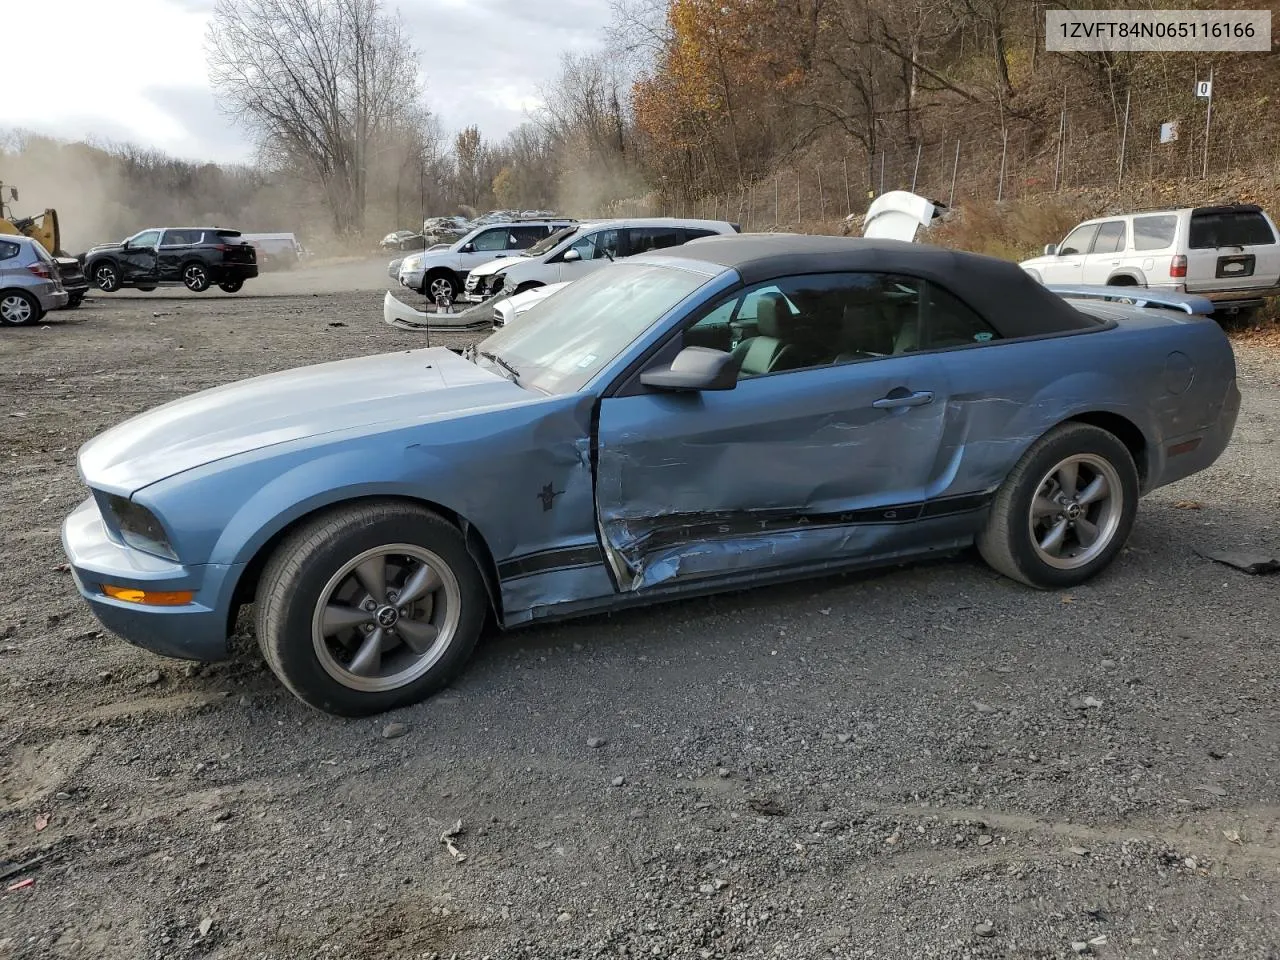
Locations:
(247, 586)
(1123, 280)
(1126, 432)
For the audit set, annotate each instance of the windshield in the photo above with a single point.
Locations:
(562, 342)
(549, 243)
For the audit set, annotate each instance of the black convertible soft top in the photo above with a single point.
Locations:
(1001, 291)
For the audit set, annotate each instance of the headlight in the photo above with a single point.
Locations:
(139, 527)
(411, 263)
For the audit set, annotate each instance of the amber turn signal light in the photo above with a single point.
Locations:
(151, 598)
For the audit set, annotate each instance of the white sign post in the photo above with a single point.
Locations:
(1204, 90)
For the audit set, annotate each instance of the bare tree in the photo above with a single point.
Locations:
(322, 84)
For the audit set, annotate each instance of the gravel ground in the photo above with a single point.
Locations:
(927, 762)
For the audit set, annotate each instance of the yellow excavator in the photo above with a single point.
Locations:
(43, 227)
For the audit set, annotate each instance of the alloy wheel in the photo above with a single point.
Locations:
(386, 617)
(194, 277)
(1076, 511)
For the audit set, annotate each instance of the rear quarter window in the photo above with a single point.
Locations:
(9, 250)
(1154, 233)
(1229, 228)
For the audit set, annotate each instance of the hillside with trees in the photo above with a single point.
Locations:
(774, 113)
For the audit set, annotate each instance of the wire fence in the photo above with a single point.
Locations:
(962, 170)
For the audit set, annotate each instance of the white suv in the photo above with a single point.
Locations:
(578, 250)
(1228, 254)
(434, 272)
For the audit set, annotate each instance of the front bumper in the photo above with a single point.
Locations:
(396, 313)
(194, 631)
(412, 278)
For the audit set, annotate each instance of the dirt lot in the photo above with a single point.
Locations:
(929, 762)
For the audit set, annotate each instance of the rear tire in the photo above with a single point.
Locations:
(1049, 531)
(318, 608)
(195, 277)
(75, 301)
(19, 309)
(230, 286)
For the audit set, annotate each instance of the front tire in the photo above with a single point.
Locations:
(441, 282)
(1064, 512)
(370, 607)
(195, 277)
(106, 276)
(230, 286)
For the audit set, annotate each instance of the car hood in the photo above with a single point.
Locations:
(414, 386)
(500, 264)
(102, 247)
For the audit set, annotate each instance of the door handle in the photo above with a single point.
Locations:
(916, 399)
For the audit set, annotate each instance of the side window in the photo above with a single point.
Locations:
(176, 238)
(1079, 240)
(526, 237)
(1154, 233)
(801, 322)
(9, 250)
(594, 245)
(693, 234)
(148, 238)
(644, 239)
(491, 240)
(1110, 237)
(949, 323)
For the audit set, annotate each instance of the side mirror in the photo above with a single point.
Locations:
(1050, 249)
(571, 256)
(695, 368)
(468, 248)
(125, 245)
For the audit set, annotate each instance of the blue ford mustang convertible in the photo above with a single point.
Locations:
(739, 410)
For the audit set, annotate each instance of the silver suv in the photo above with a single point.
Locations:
(443, 272)
(29, 282)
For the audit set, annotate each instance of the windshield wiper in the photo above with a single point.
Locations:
(490, 355)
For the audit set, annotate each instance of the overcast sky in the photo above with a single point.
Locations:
(135, 71)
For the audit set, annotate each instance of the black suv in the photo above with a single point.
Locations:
(196, 257)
